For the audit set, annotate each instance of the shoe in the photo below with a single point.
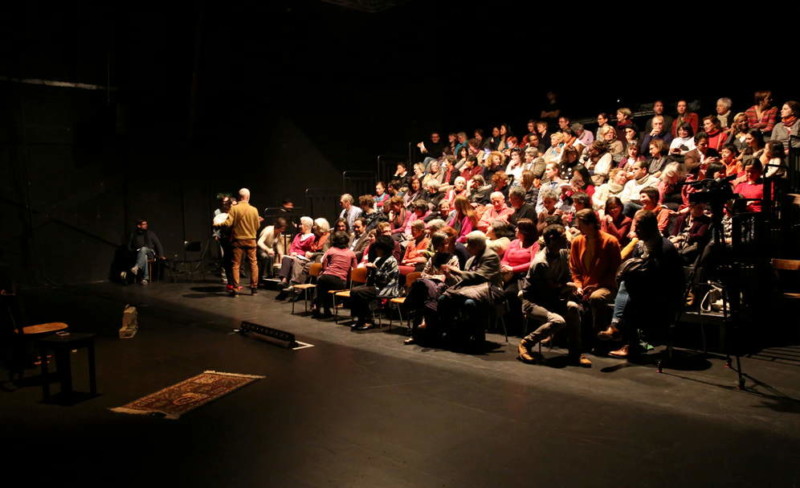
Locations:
(327, 314)
(282, 295)
(253, 291)
(409, 341)
(123, 275)
(581, 361)
(622, 353)
(144, 283)
(283, 285)
(364, 327)
(524, 350)
(610, 334)
(422, 325)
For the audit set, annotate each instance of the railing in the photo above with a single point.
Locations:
(358, 183)
(322, 202)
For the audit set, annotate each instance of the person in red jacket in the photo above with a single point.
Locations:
(684, 116)
(594, 258)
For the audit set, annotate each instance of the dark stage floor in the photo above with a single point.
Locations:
(361, 409)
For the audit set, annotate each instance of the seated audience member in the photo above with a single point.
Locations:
(658, 111)
(432, 194)
(340, 226)
(650, 201)
(753, 187)
(581, 181)
(553, 153)
(649, 295)
(624, 118)
(498, 236)
(358, 240)
(522, 209)
(366, 254)
(553, 182)
(414, 257)
(414, 192)
(690, 233)
(724, 114)
(459, 189)
(336, 265)
(594, 259)
(514, 167)
(500, 183)
(614, 222)
(465, 220)
(496, 161)
(614, 187)
(463, 307)
(569, 162)
(631, 158)
(774, 160)
(370, 216)
(422, 300)
(271, 246)
(631, 137)
(787, 131)
(684, 117)
(145, 244)
(693, 158)
(401, 175)
(585, 137)
(684, 142)
(659, 132)
(763, 114)
(301, 249)
(600, 162)
(420, 212)
(398, 216)
(434, 174)
(384, 229)
(602, 125)
(471, 168)
(381, 196)
(669, 188)
(716, 136)
(349, 211)
(641, 179)
(444, 212)
(498, 210)
(382, 282)
(615, 147)
(530, 184)
(657, 160)
(738, 132)
(549, 209)
(549, 298)
(733, 166)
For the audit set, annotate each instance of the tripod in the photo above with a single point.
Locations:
(713, 255)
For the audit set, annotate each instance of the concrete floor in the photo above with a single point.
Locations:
(361, 409)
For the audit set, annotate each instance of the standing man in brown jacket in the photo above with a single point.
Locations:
(244, 221)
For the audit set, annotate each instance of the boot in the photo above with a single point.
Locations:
(524, 350)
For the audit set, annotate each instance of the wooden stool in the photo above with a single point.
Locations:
(62, 346)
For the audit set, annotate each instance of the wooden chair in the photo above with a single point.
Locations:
(788, 275)
(313, 272)
(399, 301)
(358, 276)
(24, 336)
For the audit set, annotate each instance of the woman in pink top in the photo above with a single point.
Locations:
(465, 220)
(301, 249)
(515, 263)
(336, 264)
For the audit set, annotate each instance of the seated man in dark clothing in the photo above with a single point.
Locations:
(549, 298)
(651, 286)
(146, 245)
(477, 286)
(522, 210)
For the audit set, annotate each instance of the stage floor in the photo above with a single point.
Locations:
(362, 409)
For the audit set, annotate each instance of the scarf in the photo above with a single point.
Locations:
(789, 121)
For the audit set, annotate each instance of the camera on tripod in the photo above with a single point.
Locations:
(714, 192)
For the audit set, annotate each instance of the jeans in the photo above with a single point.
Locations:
(142, 255)
(620, 302)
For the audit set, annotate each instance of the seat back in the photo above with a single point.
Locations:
(411, 278)
(315, 270)
(358, 276)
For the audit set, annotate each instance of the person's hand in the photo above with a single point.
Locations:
(271, 253)
(506, 268)
(163, 258)
(370, 265)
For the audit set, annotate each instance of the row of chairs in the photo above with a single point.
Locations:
(357, 277)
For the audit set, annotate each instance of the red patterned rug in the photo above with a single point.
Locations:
(176, 400)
